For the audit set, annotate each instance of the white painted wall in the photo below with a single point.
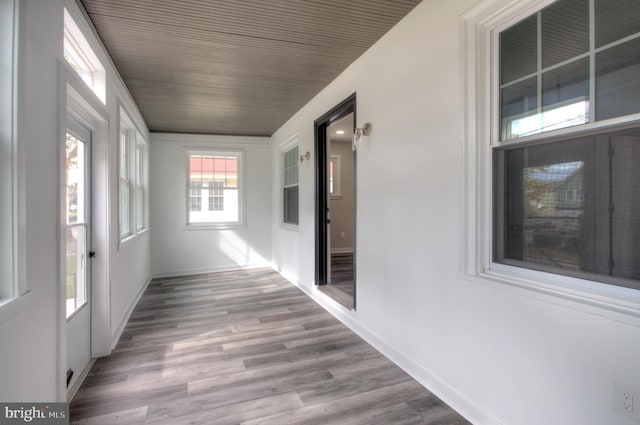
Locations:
(179, 249)
(498, 355)
(33, 353)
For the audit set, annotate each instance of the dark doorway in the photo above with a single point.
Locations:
(335, 203)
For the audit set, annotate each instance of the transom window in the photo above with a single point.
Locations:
(213, 187)
(567, 202)
(82, 59)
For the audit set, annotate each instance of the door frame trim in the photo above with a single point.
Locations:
(76, 100)
(341, 110)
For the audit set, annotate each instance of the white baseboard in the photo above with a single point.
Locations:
(116, 336)
(458, 401)
(203, 270)
(71, 392)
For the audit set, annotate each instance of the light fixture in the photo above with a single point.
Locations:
(306, 156)
(359, 133)
(340, 132)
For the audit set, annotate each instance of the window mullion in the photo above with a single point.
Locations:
(592, 62)
(539, 65)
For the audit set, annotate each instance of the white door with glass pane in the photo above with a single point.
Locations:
(77, 242)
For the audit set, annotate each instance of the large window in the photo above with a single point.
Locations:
(567, 201)
(214, 187)
(290, 189)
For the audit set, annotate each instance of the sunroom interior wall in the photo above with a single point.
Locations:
(497, 354)
(32, 366)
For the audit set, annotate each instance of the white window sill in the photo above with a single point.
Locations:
(133, 236)
(615, 302)
(14, 306)
(213, 226)
(292, 227)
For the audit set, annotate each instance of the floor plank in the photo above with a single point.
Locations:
(246, 347)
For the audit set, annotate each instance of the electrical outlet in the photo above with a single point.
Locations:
(624, 397)
(627, 401)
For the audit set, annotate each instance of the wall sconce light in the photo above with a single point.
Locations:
(359, 133)
(306, 156)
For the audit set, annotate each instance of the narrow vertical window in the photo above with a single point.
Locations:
(140, 186)
(290, 190)
(8, 281)
(125, 204)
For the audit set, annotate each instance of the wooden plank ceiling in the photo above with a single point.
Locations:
(235, 66)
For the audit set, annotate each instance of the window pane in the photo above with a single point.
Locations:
(572, 206)
(618, 80)
(73, 179)
(125, 228)
(519, 50)
(517, 102)
(567, 84)
(195, 168)
(291, 205)
(565, 31)
(140, 207)
(77, 60)
(616, 19)
(124, 155)
(231, 175)
(75, 268)
(195, 196)
(291, 167)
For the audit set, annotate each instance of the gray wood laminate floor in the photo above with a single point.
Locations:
(246, 347)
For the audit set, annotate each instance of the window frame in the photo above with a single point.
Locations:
(239, 154)
(134, 151)
(75, 41)
(285, 186)
(290, 143)
(480, 27)
(124, 181)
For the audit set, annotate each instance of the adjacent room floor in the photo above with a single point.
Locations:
(246, 347)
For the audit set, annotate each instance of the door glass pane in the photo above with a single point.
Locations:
(76, 202)
(75, 180)
(76, 268)
(616, 19)
(618, 80)
(565, 31)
